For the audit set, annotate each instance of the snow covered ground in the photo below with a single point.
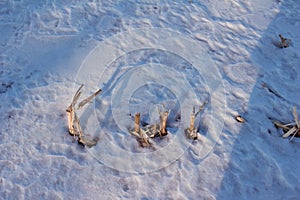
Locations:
(144, 54)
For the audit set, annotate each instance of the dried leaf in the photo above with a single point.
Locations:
(239, 119)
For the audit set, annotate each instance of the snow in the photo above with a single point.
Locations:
(146, 54)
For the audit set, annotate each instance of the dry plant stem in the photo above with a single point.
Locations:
(200, 108)
(285, 127)
(192, 120)
(78, 127)
(191, 132)
(76, 97)
(297, 123)
(163, 122)
(73, 120)
(194, 115)
(140, 135)
(71, 116)
(71, 111)
(291, 128)
(137, 120)
(291, 131)
(296, 117)
(89, 99)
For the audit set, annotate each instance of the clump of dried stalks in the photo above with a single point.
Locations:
(192, 132)
(290, 129)
(141, 136)
(73, 120)
(149, 131)
(142, 133)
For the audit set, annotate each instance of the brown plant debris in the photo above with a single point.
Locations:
(284, 42)
(74, 122)
(158, 130)
(139, 133)
(239, 119)
(290, 129)
(192, 132)
(163, 116)
(143, 133)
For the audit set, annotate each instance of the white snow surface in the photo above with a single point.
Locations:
(46, 49)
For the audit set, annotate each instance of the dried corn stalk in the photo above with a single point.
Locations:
(290, 129)
(154, 130)
(150, 131)
(192, 132)
(71, 112)
(139, 133)
(137, 121)
(163, 123)
(74, 122)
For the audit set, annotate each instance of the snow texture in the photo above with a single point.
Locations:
(145, 54)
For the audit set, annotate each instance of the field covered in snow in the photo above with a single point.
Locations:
(145, 56)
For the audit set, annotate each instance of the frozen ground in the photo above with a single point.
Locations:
(42, 49)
